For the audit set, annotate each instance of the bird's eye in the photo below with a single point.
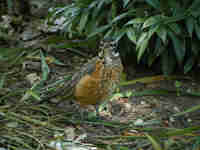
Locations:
(115, 54)
(101, 54)
(114, 44)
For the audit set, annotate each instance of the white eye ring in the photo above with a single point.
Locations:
(115, 54)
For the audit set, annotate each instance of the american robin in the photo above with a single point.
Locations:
(97, 79)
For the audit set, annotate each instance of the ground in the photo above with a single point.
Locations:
(123, 117)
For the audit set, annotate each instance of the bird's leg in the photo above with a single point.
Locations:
(97, 111)
(82, 114)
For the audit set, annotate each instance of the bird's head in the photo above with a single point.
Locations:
(108, 52)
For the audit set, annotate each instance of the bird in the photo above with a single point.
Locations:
(96, 81)
(100, 77)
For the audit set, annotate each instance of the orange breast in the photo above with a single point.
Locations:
(98, 86)
(89, 91)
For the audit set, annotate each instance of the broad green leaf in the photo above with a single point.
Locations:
(167, 20)
(152, 30)
(142, 37)
(136, 21)
(175, 28)
(197, 30)
(162, 33)
(190, 25)
(132, 35)
(125, 3)
(154, 3)
(98, 9)
(83, 21)
(142, 49)
(99, 30)
(189, 64)
(113, 10)
(109, 33)
(93, 4)
(159, 48)
(120, 17)
(152, 21)
(91, 26)
(178, 47)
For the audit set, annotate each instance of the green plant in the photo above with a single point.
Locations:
(178, 85)
(159, 30)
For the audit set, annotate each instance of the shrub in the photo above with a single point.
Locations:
(159, 30)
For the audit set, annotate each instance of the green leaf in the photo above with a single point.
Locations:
(34, 94)
(109, 33)
(178, 47)
(152, 30)
(119, 34)
(162, 33)
(142, 37)
(125, 3)
(143, 41)
(90, 27)
(154, 143)
(132, 35)
(175, 28)
(173, 19)
(189, 64)
(45, 67)
(113, 10)
(159, 48)
(99, 30)
(190, 25)
(120, 17)
(83, 21)
(154, 3)
(197, 30)
(136, 21)
(84, 3)
(142, 49)
(152, 21)
(98, 9)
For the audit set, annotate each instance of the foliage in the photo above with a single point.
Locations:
(161, 31)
